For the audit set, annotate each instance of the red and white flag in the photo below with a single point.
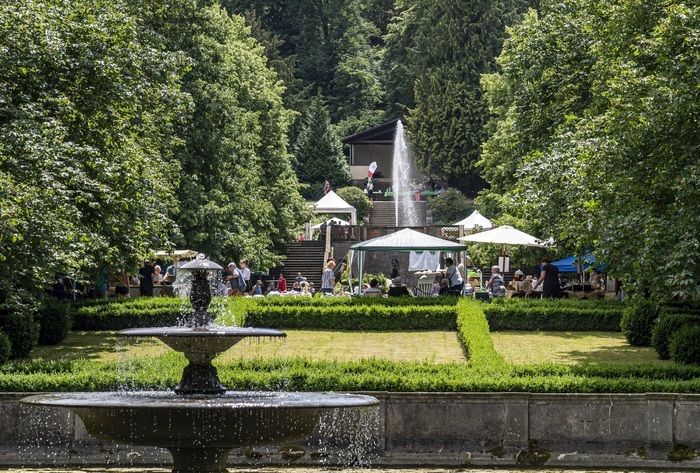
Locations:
(371, 169)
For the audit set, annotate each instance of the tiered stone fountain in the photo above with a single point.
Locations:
(200, 422)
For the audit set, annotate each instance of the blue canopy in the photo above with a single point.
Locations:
(568, 264)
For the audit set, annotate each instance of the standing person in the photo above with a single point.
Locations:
(235, 280)
(454, 278)
(328, 279)
(549, 278)
(146, 279)
(245, 271)
(326, 187)
(370, 188)
(282, 284)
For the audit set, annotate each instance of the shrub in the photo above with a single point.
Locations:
(474, 333)
(128, 313)
(357, 198)
(22, 331)
(358, 317)
(685, 345)
(356, 301)
(564, 315)
(5, 347)
(664, 329)
(54, 322)
(638, 321)
(450, 207)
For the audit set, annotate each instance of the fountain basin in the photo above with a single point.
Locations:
(200, 430)
(200, 346)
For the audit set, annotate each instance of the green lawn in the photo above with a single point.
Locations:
(570, 348)
(435, 347)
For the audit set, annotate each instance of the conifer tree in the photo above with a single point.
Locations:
(319, 152)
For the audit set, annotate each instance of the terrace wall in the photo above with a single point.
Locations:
(424, 429)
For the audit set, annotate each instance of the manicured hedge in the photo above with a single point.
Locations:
(485, 371)
(54, 322)
(638, 320)
(320, 301)
(664, 329)
(23, 332)
(685, 344)
(135, 313)
(561, 315)
(353, 317)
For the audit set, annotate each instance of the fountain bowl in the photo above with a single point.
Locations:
(200, 430)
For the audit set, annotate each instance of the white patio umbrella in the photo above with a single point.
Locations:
(475, 220)
(504, 235)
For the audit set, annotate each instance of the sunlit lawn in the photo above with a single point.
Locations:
(436, 347)
(570, 347)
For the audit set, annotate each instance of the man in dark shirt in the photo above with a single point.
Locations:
(398, 289)
(549, 278)
(146, 279)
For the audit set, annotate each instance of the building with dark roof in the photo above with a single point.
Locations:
(373, 144)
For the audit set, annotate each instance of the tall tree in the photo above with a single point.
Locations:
(336, 51)
(238, 195)
(436, 53)
(319, 152)
(88, 110)
(600, 102)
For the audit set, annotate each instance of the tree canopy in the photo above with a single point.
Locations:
(594, 138)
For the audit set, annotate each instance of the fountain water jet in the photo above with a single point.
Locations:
(200, 422)
(403, 175)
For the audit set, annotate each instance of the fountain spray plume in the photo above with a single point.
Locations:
(403, 174)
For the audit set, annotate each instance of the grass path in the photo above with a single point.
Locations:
(435, 347)
(570, 348)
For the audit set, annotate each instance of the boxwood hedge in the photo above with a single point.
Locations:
(562, 315)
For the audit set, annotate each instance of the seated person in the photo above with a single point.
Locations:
(257, 289)
(437, 286)
(373, 290)
(169, 277)
(496, 284)
(444, 287)
(398, 289)
(517, 281)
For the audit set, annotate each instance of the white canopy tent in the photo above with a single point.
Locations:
(402, 241)
(475, 220)
(330, 221)
(332, 203)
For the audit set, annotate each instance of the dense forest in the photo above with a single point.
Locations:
(127, 126)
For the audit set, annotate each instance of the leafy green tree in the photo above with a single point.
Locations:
(450, 207)
(357, 198)
(88, 110)
(319, 152)
(612, 158)
(436, 53)
(336, 49)
(238, 194)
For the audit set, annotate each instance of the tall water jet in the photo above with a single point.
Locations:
(403, 175)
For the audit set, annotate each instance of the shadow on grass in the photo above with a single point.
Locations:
(86, 345)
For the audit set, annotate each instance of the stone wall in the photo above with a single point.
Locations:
(422, 429)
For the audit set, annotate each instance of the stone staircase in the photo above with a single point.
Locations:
(305, 257)
(383, 213)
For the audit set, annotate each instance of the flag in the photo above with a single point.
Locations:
(371, 169)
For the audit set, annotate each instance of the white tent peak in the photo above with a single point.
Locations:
(474, 220)
(504, 235)
(407, 240)
(333, 203)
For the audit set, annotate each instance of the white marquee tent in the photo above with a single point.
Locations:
(475, 220)
(504, 235)
(332, 203)
(403, 241)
